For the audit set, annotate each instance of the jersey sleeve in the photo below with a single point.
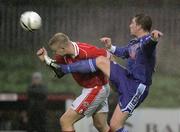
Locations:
(59, 59)
(147, 44)
(122, 52)
(147, 41)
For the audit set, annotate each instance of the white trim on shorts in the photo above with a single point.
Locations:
(135, 99)
(92, 100)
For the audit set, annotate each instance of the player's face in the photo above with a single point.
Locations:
(134, 27)
(58, 49)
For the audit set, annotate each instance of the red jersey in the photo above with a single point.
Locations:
(85, 51)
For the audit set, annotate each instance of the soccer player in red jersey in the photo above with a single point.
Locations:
(95, 92)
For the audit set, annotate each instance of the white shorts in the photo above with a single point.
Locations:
(92, 100)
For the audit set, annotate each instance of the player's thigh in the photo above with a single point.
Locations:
(70, 116)
(118, 118)
(103, 63)
(100, 121)
(100, 118)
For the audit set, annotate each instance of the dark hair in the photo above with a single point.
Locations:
(144, 20)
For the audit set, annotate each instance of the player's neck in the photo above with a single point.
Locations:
(141, 34)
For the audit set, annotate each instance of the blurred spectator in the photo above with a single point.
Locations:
(37, 95)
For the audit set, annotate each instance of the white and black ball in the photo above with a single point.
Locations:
(30, 21)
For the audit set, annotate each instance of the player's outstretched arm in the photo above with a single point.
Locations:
(117, 51)
(156, 35)
(150, 39)
(43, 56)
(107, 42)
(40, 53)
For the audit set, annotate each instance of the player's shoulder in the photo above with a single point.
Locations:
(84, 45)
(133, 41)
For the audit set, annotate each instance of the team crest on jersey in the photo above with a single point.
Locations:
(133, 50)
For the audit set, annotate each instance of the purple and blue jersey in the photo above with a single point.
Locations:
(141, 57)
(133, 82)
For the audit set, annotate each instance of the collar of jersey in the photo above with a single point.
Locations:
(76, 49)
(140, 39)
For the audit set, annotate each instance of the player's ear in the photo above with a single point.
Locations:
(139, 27)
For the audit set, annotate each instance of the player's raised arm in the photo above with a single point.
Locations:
(117, 51)
(152, 37)
(149, 42)
(107, 42)
(156, 35)
(40, 54)
(43, 56)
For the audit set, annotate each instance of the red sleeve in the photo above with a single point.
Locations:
(59, 59)
(91, 51)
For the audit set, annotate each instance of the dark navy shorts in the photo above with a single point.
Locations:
(131, 92)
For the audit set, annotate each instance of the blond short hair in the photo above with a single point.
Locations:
(59, 38)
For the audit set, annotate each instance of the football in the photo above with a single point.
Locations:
(30, 21)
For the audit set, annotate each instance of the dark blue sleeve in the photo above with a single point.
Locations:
(122, 52)
(148, 45)
(147, 41)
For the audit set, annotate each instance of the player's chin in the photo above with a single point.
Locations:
(131, 32)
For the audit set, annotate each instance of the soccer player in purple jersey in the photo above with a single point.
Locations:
(131, 82)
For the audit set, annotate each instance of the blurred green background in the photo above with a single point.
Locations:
(87, 21)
